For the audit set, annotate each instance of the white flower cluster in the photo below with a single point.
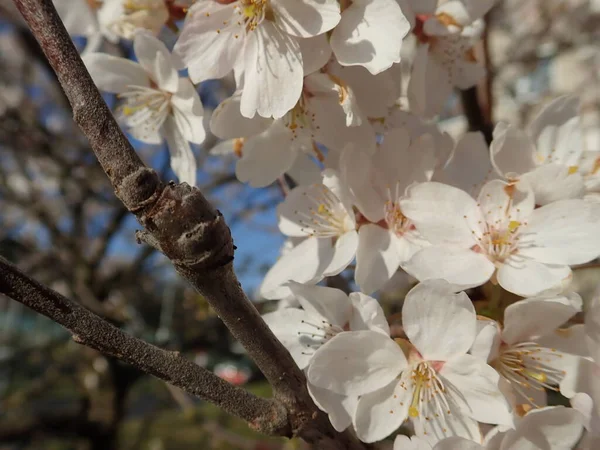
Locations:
(378, 183)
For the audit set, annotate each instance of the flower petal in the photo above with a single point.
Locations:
(316, 52)
(113, 74)
(370, 34)
(477, 384)
(156, 60)
(367, 314)
(461, 267)
(273, 72)
(227, 121)
(380, 413)
(306, 18)
(322, 302)
(340, 408)
(344, 252)
(188, 112)
(511, 150)
(440, 323)
(527, 277)
(183, 161)
(377, 257)
(356, 363)
(553, 182)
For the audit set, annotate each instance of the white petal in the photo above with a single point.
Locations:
(266, 156)
(377, 257)
(443, 214)
(306, 18)
(549, 428)
(325, 303)
(188, 112)
(344, 252)
(462, 267)
(356, 363)
(526, 277)
(304, 263)
(292, 327)
(154, 57)
(553, 182)
(206, 52)
(438, 322)
(370, 34)
(304, 170)
(414, 443)
(367, 314)
(487, 341)
(227, 121)
(340, 408)
(79, 19)
(380, 413)
(113, 74)
(503, 202)
(534, 317)
(273, 72)
(183, 161)
(315, 53)
(511, 150)
(429, 86)
(563, 232)
(458, 443)
(477, 383)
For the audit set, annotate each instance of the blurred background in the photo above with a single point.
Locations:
(61, 223)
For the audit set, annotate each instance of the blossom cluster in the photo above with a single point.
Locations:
(379, 190)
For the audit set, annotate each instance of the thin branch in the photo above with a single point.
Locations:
(266, 415)
(182, 224)
(474, 113)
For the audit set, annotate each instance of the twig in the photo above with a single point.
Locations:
(180, 222)
(474, 113)
(89, 329)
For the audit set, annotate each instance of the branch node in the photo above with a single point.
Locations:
(140, 189)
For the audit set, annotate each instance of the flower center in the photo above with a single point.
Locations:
(253, 12)
(500, 243)
(145, 106)
(429, 397)
(393, 217)
(323, 332)
(327, 216)
(528, 366)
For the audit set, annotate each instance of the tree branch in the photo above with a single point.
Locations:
(474, 113)
(265, 415)
(182, 224)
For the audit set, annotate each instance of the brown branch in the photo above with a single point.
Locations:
(180, 222)
(474, 113)
(266, 415)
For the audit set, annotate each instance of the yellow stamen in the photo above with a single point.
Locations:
(573, 169)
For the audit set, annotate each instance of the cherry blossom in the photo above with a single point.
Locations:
(258, 38)
(518, 350)
(432, 381)
(551, 155)
(501, 236)
(158, 104)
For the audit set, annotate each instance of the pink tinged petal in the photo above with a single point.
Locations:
(304, 263)
(534, 317)
(511, 151)
(469, 166)
(430, 84)
(367, 314)
(344, 251)
(316, 52)
(458, 443)
(553, 182)
(356, 363)
(324, 303)
(462, 267)
(503, 203)
(273, 72)
(306, 18)
(438, 322)
(154, 57)
(548, 428)
(188, 112)
(377, 257)
(340, 408)
(563, 232)
(293, 327)
(477, 384)
(443, 214)
(527, 277)
(206, 47)
(113, 74)
(370, 34)
(227, 121)
(266, 156)
(183, 161)
(380, 413)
